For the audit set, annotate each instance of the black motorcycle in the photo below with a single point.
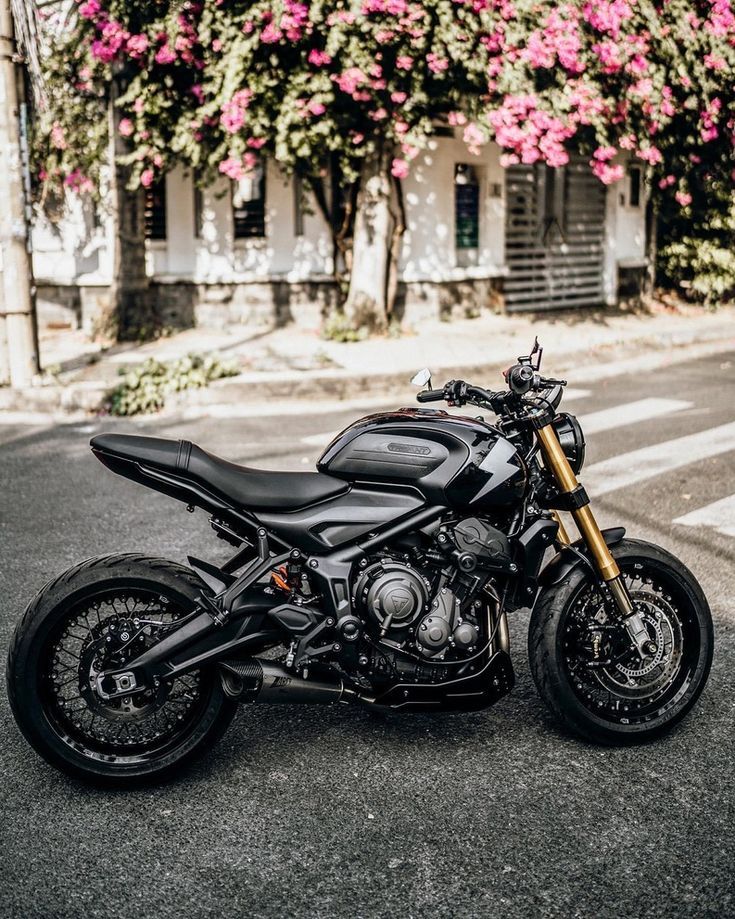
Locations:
(383, 579)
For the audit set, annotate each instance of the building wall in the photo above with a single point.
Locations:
(216, 278)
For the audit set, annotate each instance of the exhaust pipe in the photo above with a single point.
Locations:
(256, 680)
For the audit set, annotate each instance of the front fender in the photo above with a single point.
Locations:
(574, 555)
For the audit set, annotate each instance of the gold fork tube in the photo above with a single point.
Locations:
(557, 462)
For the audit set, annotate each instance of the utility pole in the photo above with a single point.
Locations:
(17, 289)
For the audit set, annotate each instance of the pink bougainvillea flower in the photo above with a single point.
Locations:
(90, 9)
(604, 154)
(165, 54)
(683, 198)
(319, 58)
(126, 127)
(146, 178)
(436, 64)
(233, 112)
(58, 138)
(137, 45)
(350, 80)
(651, 155)
(606, 173)
(399, 168)
(473, 137)
(78, 182)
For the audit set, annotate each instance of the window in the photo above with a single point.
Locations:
(634, 186)
(154, 214)
(248, 204)
(466, 214)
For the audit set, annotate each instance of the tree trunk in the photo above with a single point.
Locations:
(131, 309)
(367, 298)
(18, 335)
(399, 228)
(649, 281)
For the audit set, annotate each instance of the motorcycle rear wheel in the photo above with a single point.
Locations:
(630, 700)
(67, 635)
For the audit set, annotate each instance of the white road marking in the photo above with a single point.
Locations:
(630, 413)
(639, 465)
(720, 516)
(571, 394)
(321, 440)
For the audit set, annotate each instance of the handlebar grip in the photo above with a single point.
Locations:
(431, 395)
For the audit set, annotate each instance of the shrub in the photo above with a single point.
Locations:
(145, 387)
(337, 327)
(697, 244)
(703, 269)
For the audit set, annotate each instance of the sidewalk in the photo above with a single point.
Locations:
(295, 363)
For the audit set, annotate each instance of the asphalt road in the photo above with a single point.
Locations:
(322, 812)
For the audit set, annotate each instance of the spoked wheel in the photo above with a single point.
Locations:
(100, 616)
(583, 661)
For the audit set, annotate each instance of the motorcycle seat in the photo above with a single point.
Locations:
(242, 485)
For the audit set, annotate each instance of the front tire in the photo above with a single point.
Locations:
(66, 636)
(572, 633)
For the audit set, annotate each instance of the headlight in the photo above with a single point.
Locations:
(571, 438)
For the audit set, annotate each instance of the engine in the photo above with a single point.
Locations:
(410, 609)
(422, 608)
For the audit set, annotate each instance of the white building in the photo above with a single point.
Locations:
(478, 236)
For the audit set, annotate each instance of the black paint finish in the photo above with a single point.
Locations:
(459, 461)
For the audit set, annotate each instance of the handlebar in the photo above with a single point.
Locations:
(431, 395)
(521, 379)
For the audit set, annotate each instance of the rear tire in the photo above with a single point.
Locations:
(633, 700)
(61, 639)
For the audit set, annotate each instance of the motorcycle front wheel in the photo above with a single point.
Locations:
(585, 667)
(99, 615)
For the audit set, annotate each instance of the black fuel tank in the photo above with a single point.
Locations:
(458, 461)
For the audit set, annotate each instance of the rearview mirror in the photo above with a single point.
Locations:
(422, 378)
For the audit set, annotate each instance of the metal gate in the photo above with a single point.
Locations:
(554, 237)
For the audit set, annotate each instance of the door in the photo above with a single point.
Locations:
(554, 237)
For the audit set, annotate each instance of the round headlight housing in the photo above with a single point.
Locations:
(571, 438)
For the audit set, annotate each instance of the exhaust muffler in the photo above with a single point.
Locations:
(256, 680)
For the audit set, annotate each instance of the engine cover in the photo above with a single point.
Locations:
(392, 593)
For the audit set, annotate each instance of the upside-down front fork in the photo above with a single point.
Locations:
(606, 565)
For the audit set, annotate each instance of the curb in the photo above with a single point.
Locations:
(340, 385)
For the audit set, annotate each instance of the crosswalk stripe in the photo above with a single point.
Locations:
(630, 468)
(321, 440)
(720, 516)
(630, 413)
